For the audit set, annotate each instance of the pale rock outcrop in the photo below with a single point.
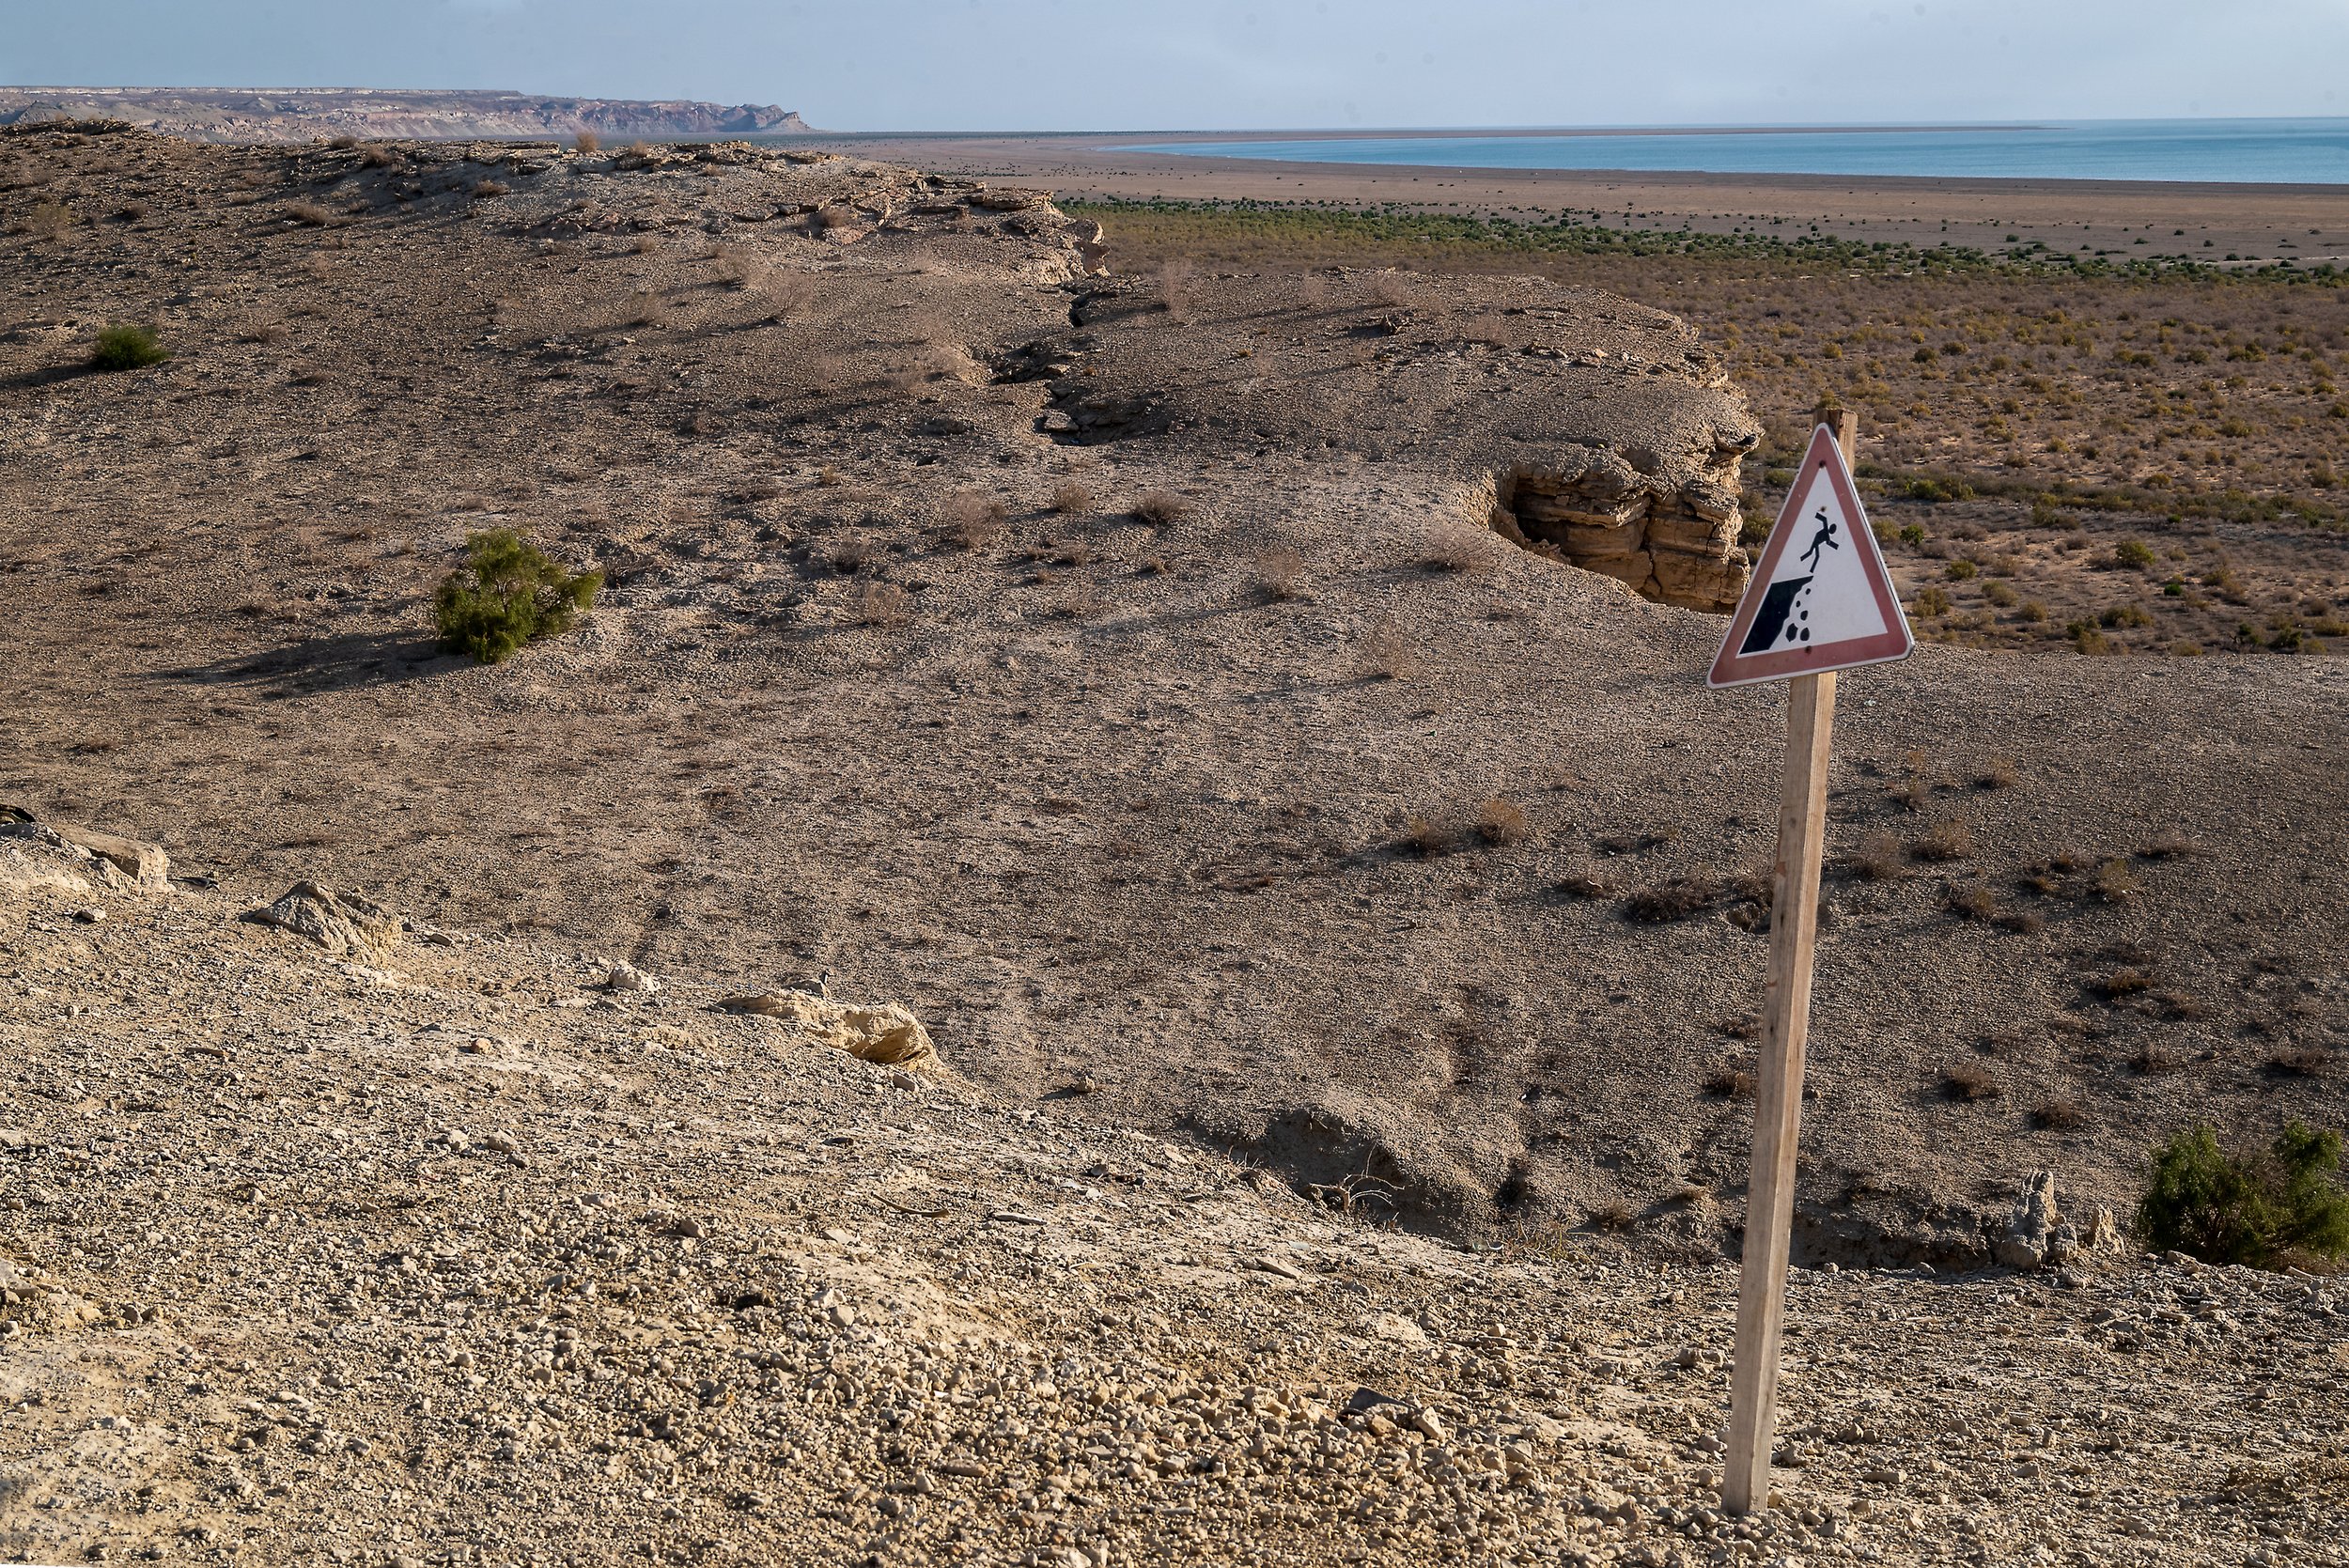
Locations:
(77, 860)
(887, 1035)
(346, 925)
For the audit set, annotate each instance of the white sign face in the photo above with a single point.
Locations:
(1820, 598)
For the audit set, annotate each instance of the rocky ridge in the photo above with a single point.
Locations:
(296, 115)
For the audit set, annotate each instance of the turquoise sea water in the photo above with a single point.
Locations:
(2261, 151)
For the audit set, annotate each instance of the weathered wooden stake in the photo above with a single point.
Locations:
(1777, 1089)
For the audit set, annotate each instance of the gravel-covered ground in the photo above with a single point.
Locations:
(445, 1257)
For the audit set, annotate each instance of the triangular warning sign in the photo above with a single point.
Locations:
(1820, 598)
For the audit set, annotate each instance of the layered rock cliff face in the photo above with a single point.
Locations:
(1670, 536)
(222, 115)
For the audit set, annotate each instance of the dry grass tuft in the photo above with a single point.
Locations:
(1427, 838)
(1968, 1082)
(1730, 1082)
(2169, 845)
(310, 214)
(645, 308)
(1879, 857)
(1177, 289)
(1160, 509)
(884, 605)
(586, 143)
(1971, 901)
(973, 522)
(2056, 1116)
(1073, 499)
(791, 293)
(1388, 653)
(1455, 550)
(645, 245)
(1616, 1217)
(1997, 773)
(2116, 883)
(1500, 822)
(1281, 571)
(2297, 1062)
(1947, 840)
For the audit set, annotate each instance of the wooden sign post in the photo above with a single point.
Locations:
(1805, 616)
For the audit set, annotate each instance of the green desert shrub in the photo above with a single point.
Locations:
(509, 593)
(2257, 1207)
(126, 347)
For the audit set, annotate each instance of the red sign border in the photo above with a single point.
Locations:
(1730, 669)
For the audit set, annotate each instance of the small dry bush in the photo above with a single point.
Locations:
(1616, 1217)
(1502, 822)
(1281, 571)
(2116, 883)
(645, 244)
(2297, 1062)
(973, 522)
(1453, 550)
(1971, 901)
(2169, 845)
(2056, 1116)
(490, 189)
(829, 218)
(1160, 509)
(1730, 1082)
(1426, 838)
(884, 605)
(1177, 288)
(1947, 840)
(1682, 898)
(1997, 773)
(645, 308)
(738, 269)
(586, 143)
(1879, 859)
(310, 214)
(48, 220)
(1388, 653)
(791, 293)
(376, 156)
(1082, 602)
(1968, 1082)
(1391, 288)
(1072, 499)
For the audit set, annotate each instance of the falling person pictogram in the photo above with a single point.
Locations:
(1823, 538)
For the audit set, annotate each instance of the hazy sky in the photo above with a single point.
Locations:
(872, 65)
